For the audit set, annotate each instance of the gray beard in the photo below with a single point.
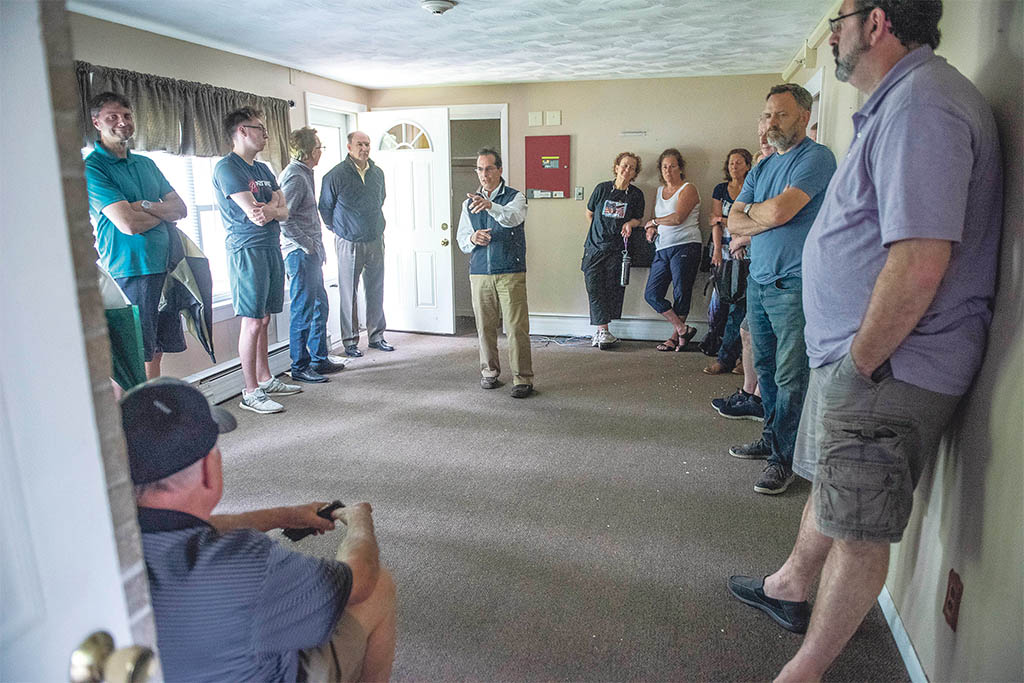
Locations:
(781, 143)
(846, 65)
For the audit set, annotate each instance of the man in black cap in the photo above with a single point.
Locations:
(230, 602)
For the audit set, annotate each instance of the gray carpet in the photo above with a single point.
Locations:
(585, 533)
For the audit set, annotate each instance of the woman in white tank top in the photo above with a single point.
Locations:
(676, 236)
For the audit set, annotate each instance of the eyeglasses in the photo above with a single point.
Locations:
(487, 169)
(833, 24)
(320, 147)
(260, 128)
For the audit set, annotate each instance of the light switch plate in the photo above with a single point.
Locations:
(553, 118)
(535, 118)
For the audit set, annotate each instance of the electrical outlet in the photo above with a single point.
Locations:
(578, 193)
(951, 605)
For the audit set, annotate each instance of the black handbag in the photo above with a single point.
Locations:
(731, 280)
(705, 255)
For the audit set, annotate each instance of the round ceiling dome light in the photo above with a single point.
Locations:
(437, 6)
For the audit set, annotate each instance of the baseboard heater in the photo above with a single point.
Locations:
(225, 380)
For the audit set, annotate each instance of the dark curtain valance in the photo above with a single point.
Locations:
(181, 117)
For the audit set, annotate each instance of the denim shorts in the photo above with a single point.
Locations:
(257, 281)
(863, 444)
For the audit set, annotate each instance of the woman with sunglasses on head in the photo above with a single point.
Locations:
(675, 232)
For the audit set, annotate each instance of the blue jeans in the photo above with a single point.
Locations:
(677, 265)
(307, 334)
(775, 314)
(732, 346)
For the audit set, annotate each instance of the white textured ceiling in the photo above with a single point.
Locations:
(395, 43)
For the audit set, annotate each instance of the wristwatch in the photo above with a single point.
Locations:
(146, 204)
(747, 208)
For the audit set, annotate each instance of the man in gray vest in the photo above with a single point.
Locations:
(351, 198)
(491, 231)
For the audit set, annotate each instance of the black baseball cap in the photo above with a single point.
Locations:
(169, 425)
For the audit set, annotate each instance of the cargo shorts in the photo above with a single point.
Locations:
(863, 443)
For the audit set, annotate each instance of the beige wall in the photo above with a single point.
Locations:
(969, 509)
(703, 117)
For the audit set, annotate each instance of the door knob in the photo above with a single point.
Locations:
(444, 243)
(96, 660)
(444, 226)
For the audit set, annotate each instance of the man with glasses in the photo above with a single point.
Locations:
(251, 204)
(304, 255)
(491, 231)
(779, 201)
(900, 270)
(351, 198)
(135, 209)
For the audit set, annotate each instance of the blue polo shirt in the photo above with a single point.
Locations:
(924, 163)
(232, 175)
(109, 180)
(777, 253)
(235, 606)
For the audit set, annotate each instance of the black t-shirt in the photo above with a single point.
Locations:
(612, 208)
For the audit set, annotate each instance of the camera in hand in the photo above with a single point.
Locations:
(325, 512)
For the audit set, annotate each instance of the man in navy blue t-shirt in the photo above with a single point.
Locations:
(251, 204)
(779, 202)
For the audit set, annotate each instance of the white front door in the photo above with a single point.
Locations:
(411, 146)
(59, 574)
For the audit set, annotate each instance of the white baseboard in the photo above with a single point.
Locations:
(902, 638)
(224, 380)
(639, 329)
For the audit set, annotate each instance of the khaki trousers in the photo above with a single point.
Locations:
(497, 297)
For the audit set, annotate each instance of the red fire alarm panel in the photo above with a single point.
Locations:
(547, 167)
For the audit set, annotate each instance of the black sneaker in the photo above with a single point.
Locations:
(792, 616)
(489, 382)
(758, 450)
(741, 406)
(774, 479)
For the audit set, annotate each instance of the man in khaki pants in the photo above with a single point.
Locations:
(491, 231)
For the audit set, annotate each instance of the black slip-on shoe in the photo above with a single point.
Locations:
(308, 375)
(353, 352)
(792, 616)
(327, 367)
(381, 346)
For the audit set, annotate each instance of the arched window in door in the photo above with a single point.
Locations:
(405, 136)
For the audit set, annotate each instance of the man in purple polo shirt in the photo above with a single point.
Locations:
(900, 268)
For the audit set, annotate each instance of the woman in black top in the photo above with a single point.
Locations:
(614, 209)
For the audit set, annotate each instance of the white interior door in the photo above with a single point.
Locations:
(59, 573)
(411, 146)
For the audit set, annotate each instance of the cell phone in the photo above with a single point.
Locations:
(325, 512)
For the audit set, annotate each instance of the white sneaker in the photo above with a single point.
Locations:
(607, 340)
(258, 402)
(598, 336)
(275, 387)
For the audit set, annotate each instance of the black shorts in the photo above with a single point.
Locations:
(161, 331)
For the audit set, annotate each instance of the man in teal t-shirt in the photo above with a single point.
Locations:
(134, 209)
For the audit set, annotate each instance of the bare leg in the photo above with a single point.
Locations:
(853, 576)
(793, 579)
(749, 374)
(262, 359)
(677, 322)
(248, 346)
(376, 614)
(153, 366)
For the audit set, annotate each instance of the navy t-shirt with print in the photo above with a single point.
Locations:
(612, 208)
(232, 175)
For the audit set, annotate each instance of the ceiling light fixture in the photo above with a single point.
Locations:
(437, 6)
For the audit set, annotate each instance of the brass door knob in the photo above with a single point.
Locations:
(96, 660)
(444, 226)
(444, 243)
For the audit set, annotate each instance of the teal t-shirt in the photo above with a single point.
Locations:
(778, 253)
(232, 175)
(134, 178)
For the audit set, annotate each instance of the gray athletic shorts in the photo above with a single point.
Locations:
(863, 444)
(340, 658)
